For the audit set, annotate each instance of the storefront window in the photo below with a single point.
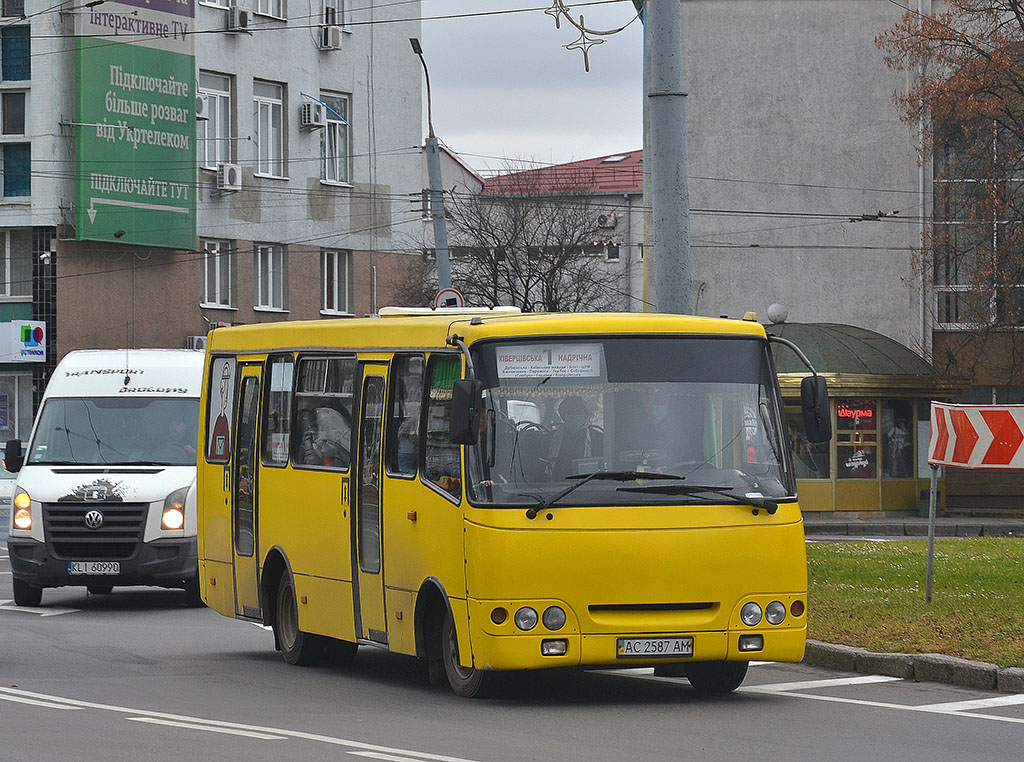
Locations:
(811, 460)
(856, 439)
(897, 439)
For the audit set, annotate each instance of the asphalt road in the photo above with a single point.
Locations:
(137, 676)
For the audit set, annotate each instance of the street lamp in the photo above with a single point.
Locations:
(437, 213)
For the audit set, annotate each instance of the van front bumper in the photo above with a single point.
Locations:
(164, 563)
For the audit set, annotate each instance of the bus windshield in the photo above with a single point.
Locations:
(706, 409)
(99, 431)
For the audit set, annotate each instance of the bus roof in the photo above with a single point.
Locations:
(150, 373)
(398, 330)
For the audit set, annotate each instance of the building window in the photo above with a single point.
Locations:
(14, 8)
(17, 169)
(268, 116)
(273, 8)
(15, 53)
(215, 132)
(334, 140)
(336, 269)
(334, 12)
(856, 439)
(15, 406)
(16, 267)
(218, 273)
(271, 277)
(14, 113)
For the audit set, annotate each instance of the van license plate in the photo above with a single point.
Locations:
(653, 648)
(94, 567)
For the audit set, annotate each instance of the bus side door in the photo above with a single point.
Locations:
(368, 562)
(245, 459)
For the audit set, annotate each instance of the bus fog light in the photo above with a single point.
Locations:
(751, 643)
(554, 647)
(750, 614)
(775, 612)
(499, 615)
(554, 618)
(526, 618)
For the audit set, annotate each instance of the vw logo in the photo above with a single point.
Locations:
(94, 519)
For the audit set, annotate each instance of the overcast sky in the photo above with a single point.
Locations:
(504, 86)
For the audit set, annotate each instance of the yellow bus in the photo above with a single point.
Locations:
(493, 491)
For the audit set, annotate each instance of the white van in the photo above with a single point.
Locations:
(105, 492)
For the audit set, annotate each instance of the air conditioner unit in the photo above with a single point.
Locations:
(229, 177)
(330, 37)
(313, 116)
(202, 106)
(238, 19)
(195, 342)
(607, 220)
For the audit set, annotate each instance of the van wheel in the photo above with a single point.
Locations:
(100, 589)
(713, 678)
(193, 594)
(297, 647)
(467, 682)
(26, 594)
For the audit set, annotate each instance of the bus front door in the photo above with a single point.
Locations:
(244, 495)
(368, 545)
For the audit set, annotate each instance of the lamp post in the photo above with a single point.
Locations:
(437, 213)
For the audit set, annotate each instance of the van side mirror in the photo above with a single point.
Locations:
(467, 405)
(13, 459)
(814, 405)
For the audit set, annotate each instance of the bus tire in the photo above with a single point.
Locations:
(714, 678)
(297, 647)
(193, 594)
(100, 589)
(26, 594)
(467, 682)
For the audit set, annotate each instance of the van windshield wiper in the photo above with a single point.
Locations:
(752, 499)
(616, 476)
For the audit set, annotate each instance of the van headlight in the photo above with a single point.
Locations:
(22, 510)
(174, 510)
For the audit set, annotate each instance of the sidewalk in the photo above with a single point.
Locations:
(925, 667)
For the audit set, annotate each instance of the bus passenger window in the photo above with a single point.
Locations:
(443, 459)
(403, 432)
(322, 434)
(278, 407)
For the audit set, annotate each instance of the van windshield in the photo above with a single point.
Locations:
(99, 431)
(706, 409)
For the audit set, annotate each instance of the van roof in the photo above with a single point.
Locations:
(149, 373)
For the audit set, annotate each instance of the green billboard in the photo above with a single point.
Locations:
(135, 123)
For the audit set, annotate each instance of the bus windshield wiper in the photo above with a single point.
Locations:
(752, 499)
(616, 476)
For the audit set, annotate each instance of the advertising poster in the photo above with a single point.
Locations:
(136, 123)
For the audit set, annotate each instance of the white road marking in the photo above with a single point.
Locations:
(385, 757)
(985, 703)
(51, 611)
(296, 734)
(812, 684)
(34, 702)
(207, 728)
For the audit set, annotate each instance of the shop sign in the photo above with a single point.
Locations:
(23, 341)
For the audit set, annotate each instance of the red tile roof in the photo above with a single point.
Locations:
(615, 173)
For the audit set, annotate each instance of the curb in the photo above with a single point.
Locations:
(935, 668)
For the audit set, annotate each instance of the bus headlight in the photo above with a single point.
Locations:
(750, 614)
(775, 612)
(22, 510)
(554, 618)
(526, 618)
(174, 510)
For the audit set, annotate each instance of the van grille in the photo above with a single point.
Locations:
(70, 538)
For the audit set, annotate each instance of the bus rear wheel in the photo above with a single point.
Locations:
(297, 647)
(26, 594)
(714, 678)
(467, 682)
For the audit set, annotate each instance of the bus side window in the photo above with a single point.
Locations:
(278, 409)
(443, 460)
(322, 433)
(403, 425)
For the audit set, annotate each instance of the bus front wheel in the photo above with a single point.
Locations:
(467, 682)
(297, 647)
(26, 594)
(713, 678)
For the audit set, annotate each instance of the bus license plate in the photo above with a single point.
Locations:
(94, 567)
(653, 648)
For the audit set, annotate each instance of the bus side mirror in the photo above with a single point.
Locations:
(467, 404)
(13, 459)
(814, 404)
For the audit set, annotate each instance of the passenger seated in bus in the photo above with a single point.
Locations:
(574, 440)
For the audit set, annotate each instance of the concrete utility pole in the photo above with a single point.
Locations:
(437, 213)
(665, 155)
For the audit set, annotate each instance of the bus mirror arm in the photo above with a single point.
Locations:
(813, 398)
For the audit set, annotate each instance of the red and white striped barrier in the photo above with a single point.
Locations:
(977, 436)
